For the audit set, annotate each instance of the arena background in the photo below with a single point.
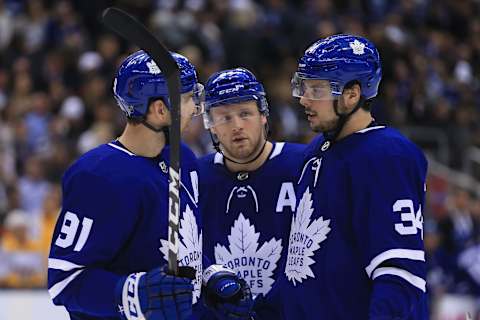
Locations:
(56, 67)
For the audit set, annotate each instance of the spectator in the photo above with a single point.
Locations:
(24, 262)
(51, 209)
(6, 26)
(102, 129)
(33, 189)
(459, 229)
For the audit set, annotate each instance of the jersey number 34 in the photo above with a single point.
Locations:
(411, 221)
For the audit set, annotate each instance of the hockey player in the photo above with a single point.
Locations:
(247, 186)
(356, 242)
(109, 248)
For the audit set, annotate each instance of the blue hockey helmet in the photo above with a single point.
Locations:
(234, 86)
(139, 80)
(339, 59)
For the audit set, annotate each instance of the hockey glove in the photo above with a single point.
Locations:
(156, 295)
(227, 295)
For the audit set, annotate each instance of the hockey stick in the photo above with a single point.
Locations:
(134, 31)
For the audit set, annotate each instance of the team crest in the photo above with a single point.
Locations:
(357, 47)
(153, 68)
(305, 238)
(190, 248)
(255, 266)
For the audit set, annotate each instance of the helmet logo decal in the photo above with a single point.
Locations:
(153, 68)
(230, 90)
(357, 47)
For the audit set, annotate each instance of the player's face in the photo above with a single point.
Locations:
(239, 128)
(320, 113)
(188, 109)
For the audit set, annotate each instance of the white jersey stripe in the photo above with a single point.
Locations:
(407, 276)
(394, 254)
(63, 265)
(277, 149)
(58, 287)
(189, 195)
(121, 149)
(369, 129)
(305, 167)
(218, 158)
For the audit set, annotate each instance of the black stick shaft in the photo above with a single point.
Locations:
(134, 31)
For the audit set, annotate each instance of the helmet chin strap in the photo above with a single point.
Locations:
(331, 135)
(165, 130)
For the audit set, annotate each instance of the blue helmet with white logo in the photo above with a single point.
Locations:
(340, 59)
(139, 80)
(234, 86)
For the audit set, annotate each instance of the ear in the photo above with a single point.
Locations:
(158, 111)
(264, 119)
(352, 95)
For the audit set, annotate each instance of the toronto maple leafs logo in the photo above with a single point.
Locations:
(190, 248)
(357, 47)
(255, 266)
(305, 238)
(153, 68)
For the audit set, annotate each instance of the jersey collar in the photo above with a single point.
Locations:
(276, 150)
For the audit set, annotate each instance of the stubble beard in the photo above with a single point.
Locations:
(246, 153)
(324, 126)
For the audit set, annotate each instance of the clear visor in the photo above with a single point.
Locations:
(228, 115)
(315, 89)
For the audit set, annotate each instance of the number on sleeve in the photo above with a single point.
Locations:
(69, 230)
(410, 221)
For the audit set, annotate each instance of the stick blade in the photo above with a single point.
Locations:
(134, 31)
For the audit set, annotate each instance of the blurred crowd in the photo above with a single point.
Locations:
(57, 63)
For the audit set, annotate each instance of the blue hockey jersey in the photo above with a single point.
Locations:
(247, 216)
(356, 242)
(114, 222)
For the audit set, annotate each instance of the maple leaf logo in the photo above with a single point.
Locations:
(153, 68)
(305, 238)
(357, 47)
(190, 248)
(255, 266)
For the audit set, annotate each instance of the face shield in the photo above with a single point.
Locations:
(315, 89)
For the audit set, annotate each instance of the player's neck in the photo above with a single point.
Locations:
(252, 166)
(142, 141)
(357, 121)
